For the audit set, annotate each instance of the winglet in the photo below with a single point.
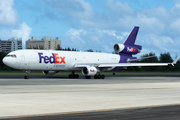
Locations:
(175, 61)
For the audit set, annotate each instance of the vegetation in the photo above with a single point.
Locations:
(104, 73)
(163, 58)
(65, 49)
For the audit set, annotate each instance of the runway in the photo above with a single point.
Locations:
(55, 97)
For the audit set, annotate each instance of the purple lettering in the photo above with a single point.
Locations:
(40, 57)
(46, 59)
(52, 59)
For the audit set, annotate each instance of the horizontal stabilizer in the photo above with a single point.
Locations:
(131, 60)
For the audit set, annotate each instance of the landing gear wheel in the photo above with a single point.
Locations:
(70, 76)
(102, 76)
(26, 77)
(77, 76)
(88, 77)
(73, 75)
(99, 76)
(95, 76)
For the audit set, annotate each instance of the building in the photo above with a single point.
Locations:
(45, 43)
(10, 45)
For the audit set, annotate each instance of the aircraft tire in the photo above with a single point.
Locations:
(99, 76)
(26, 77)
(102, 76)
(88, 77)
(95, 76)
(73, 76)
(77, 76)
(70, 76)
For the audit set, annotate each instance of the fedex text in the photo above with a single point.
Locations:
(92, 70)
(131, 49)
(55, 58)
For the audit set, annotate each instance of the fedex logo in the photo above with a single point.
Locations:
(51, 59)
(131, 49)
(92, 70)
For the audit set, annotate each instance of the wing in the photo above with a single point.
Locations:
(109, 65)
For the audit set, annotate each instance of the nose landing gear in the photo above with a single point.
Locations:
(26, 75)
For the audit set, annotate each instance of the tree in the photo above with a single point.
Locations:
(150, 60)
(89, 50)
(69, 49)
(2, 55)
(166, 58)
(58, 47)
(74, 49)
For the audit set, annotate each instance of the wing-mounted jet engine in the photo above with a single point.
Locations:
(89, 71)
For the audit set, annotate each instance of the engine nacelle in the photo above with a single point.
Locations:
(50, 72)
(120, 48)
(89, 71)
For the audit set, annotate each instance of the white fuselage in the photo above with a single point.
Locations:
(53, 60)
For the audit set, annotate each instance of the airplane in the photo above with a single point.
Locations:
(90, 63)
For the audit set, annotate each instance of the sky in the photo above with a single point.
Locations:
(94, 24)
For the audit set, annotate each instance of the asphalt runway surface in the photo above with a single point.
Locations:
(148, 113)
(113, 98)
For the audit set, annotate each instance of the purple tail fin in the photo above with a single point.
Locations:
(130, 48)
(132, 38)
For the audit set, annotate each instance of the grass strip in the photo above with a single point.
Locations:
(104, 73)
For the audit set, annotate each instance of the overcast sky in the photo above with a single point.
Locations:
(94, 24)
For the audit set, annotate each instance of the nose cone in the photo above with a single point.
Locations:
(4, 61)
(7, 61)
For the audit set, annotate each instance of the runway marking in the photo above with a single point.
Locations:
(88, 111)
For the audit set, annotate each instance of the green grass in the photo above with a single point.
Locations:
(104, 73)
(142, 73)
(19, 73)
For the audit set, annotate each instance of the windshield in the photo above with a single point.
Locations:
(13, 55)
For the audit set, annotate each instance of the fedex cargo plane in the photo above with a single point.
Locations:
(91, 64)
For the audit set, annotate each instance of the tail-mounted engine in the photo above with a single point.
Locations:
(89, 71)
(120, 48)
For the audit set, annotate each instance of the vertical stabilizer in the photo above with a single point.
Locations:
(132, 38)
(129, 47)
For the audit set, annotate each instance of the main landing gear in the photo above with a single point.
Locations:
(99, 76)
(96, 77)
(26, 75)
(73, 75)
(88, 77)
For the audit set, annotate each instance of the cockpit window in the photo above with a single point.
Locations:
(13, 56)
(8, 55)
